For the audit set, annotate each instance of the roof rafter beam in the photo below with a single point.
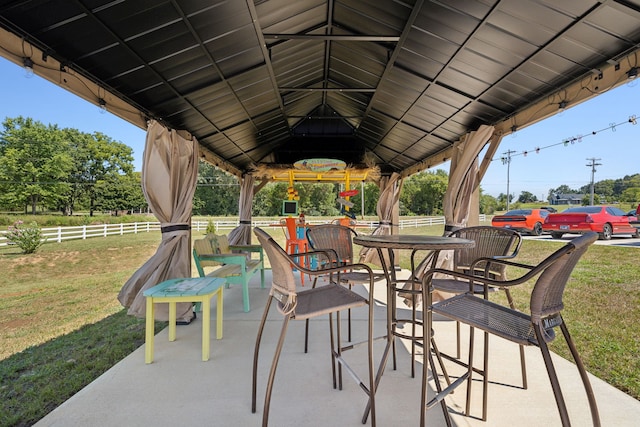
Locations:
(266, 55)
(228, 166)
(610, 75)
(453, 57)
(327, 50)
(194, 34)
(332, 37)
(394, 55)
(326, 89)
(435, 157)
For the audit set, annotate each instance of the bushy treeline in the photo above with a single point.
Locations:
(46, 220)
(44, 167)
(47, 168)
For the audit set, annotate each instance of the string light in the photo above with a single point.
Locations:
(565, 142)
(103, 105)
(631, 76)
(562, 106)
(28, 67)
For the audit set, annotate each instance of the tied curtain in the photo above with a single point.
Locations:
(241, 235)
(169, 175)
(388, 215)
(463, 177)
(464, 180)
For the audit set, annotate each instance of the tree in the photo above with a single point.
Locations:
(120, 192)
(527, 197)
(423, 193)
(217, 192)
(35, 162)
(502, 201)
(631, 195)
(96, 158)
(268, 201)
(586, 199)
(371, 195)
(603, 188)
(488, 204)
(321, 200)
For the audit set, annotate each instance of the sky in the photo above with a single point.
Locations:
(599, 128)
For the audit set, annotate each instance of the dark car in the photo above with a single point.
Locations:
(522, 220)
(549, 208)
(605, 220)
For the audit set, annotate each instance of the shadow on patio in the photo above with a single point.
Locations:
(179, 388)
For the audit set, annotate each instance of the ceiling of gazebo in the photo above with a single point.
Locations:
(276, 81)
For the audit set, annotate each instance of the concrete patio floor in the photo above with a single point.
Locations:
(179, 388)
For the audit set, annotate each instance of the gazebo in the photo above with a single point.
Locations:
(400, 86)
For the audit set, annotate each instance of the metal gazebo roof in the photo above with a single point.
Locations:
(275, 81)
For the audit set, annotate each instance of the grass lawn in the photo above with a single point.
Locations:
(61, 325)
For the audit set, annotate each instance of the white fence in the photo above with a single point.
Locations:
(59, 234)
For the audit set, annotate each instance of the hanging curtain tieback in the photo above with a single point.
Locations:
(386, 222)
(176, 227)
(245, 222)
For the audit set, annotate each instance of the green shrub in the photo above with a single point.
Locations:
(28, 238)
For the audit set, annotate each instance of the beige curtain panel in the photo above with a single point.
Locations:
(241, 235)
(169, 174)
(463, 176)
(463, 181)
(387, 210)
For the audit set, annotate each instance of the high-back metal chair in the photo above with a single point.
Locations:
(491, 242)
(338, 240)
(306, 304)
(535, 328)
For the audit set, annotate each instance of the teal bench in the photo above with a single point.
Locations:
(214, 251)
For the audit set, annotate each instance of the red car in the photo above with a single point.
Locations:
(605, 220)
(522, 220)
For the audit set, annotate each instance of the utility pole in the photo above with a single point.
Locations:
(507, 161)
(593, 165)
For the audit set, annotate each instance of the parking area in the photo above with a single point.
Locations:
(619, 240)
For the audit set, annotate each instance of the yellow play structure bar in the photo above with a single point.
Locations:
(295, 175)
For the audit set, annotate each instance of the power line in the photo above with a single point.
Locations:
(593, 165)
(572, 140)
(507, 161)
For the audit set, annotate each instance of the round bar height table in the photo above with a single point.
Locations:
(414, 243)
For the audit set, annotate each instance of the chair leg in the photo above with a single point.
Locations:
(413, 334)
(470, 373)
(256, 350)
(349, 318)
(338, 347)
(440, 361)
(583, 374)
(333, 354)
(523, 366)
(306, 322)
(485, 376)
(553, 377)
(443, 404)
(272, 372)
(457, 340)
